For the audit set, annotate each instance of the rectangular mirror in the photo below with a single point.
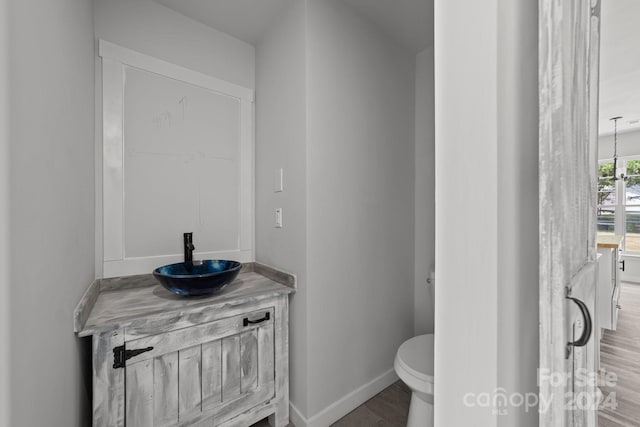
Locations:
(177, 157)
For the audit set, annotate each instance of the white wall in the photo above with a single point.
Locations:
(156, 30)
(360, 207)
(281, 143)
(518, 281)
(486, 163)
(628, 145)
(466, 310)
(424, 193)
(51, 208)
(5, 303)
(335, 109)
(153, 29)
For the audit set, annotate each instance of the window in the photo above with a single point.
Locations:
(619, 202)
(606, 198)
(632, 206)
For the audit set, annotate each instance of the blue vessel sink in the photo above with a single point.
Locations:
(198, 277)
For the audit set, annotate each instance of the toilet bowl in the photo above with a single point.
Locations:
(414, 366)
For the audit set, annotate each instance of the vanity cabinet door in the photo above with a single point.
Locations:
(203, 374)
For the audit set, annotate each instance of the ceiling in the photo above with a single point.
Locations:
(409, 22)
(620, 65)
(243, 19)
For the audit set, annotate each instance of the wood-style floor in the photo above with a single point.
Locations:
(389, 408)
(620, 354)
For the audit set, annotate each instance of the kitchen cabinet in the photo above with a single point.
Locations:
(609, 281)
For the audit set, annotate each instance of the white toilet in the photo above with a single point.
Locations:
(414, 366)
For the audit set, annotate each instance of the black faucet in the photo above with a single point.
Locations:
(188, 248)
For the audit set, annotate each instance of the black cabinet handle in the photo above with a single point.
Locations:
(121, 355)
(247, 322)
(622, 264)
(586, 333)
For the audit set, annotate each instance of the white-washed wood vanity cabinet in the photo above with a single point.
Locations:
(164, 360)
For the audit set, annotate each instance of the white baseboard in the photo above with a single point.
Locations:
(345, 404)
(295, 417)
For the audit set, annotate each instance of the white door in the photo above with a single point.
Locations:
(568, 81)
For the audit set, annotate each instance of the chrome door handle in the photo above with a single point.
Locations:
(588, 326)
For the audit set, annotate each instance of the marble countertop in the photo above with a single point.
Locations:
(609, 241)
(110, 304)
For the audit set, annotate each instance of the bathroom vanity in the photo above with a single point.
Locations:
(160, 359)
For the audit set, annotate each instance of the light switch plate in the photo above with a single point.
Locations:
(278, 180)
(278, 217)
